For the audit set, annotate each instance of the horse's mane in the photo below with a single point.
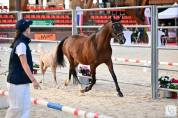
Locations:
(75, 36)
(92, 36)
(102, 27)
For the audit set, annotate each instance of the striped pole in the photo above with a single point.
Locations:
(75, 111)
(115, 59)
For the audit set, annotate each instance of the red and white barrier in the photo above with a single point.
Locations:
(3, 99)
(115, 59)
(127, 60)
(75, 111)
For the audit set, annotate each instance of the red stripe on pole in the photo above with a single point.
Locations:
(2, 92)
(96, 115)
(76, 112)
(170, 64)
(34, 101)
(126, 60)
(137, 61)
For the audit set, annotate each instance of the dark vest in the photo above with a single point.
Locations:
(17, 74)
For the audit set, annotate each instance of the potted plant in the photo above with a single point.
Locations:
(164, 81)
(35, 68)
(170, 83)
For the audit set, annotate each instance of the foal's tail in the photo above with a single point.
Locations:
(60, 54)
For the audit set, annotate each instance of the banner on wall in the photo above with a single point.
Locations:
(45, 36)
(43, 22)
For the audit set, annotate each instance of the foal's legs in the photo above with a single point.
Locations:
(43, 70)
(111, 70)
(71, 68)
(53, 69)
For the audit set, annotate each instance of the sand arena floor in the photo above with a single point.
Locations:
(135, 82)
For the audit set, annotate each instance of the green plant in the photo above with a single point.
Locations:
(173, 86)
(164, 81)
(36, 66)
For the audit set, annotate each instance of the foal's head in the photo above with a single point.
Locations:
(117, 30)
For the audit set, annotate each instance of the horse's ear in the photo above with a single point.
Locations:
(120, 18)
(112, 18)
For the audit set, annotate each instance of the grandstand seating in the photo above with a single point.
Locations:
(64, 19)
(102, 19)
(41, 8)
(60, 19)
(7, 21)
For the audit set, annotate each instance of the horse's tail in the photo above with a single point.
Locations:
(60, 54)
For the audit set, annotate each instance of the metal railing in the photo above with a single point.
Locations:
(157, 49)
(154, 39)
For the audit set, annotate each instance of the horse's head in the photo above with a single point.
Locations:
(117, 30)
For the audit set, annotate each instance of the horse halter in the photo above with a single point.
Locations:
(116, 30)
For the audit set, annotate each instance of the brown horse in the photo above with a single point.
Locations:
(91, 50)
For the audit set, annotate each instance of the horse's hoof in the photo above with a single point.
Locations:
(40, 81)
(87, 89)
(66, 83)
(120, 94)
(82, 91)
(57, 87)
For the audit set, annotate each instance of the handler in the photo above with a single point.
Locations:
(20, 73)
